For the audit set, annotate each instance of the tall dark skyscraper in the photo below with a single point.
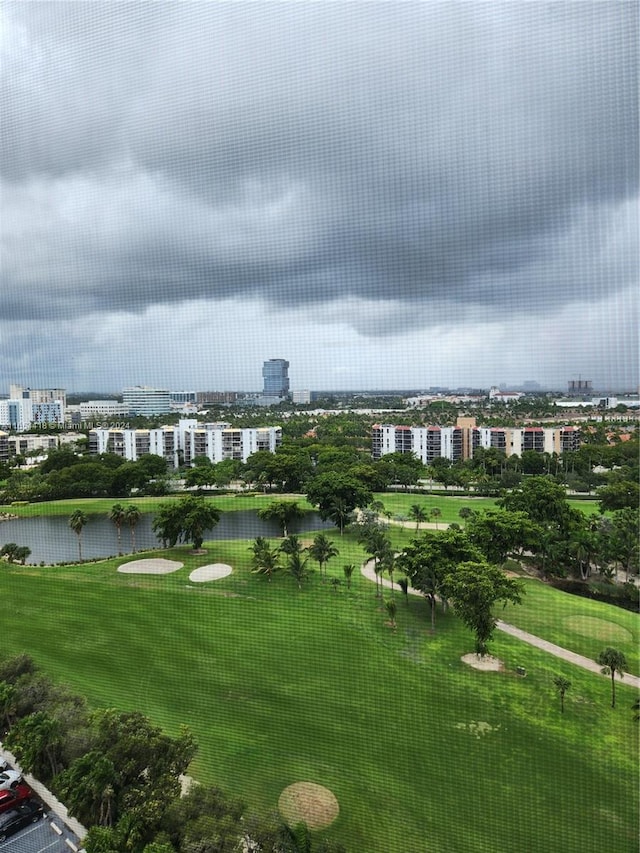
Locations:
(275, 374)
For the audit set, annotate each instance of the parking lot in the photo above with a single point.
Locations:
(42, 836)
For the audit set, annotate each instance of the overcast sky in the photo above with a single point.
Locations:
(385, 194)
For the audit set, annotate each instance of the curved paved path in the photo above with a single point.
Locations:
(558, 651)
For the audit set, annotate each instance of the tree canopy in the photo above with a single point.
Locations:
(337, 495)
(185, 520)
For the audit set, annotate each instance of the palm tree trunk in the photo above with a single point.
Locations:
(613, 687)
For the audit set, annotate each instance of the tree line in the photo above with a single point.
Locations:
(313, 447)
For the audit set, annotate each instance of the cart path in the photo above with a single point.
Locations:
(558, 651)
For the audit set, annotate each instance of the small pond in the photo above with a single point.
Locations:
(51, 540)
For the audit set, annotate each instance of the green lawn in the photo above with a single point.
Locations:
(399, 503)
(226, 503)
(576, 623)
(280, 685)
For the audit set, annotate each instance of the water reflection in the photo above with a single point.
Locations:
(52, 541)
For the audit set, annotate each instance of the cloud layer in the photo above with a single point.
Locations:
(390, 173)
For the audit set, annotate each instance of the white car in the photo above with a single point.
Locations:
(9, 779)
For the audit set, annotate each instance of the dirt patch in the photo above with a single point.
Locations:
(212, 572)
(477, 728)
(306, 802)
(485, 663)
(155, 566)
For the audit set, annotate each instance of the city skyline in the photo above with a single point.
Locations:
(386, 195)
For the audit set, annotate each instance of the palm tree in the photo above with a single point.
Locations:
(341, 512)
(265, 559)
(322, 550)
(132, 516)
(77, 521)
(562, 685)
(284, 512)
(434, 512)
(118, 515)
(418, 514)
(297, 566)
(431, 587)
(388, 563)
(291, 545)
(581, 549)
(465, 512)
(348, 571)
(377, 544)
(612, 661)
(391, 608)
(403, 583)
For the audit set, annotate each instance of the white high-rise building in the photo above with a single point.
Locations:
(459, 442)
(181, 444)
(21, 412)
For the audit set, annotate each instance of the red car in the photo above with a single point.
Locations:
(11, 799)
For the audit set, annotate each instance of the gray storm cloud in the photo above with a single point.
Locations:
(424, 155)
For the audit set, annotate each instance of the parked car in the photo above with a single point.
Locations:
(9, 779)
(14, 796)
(16, 819)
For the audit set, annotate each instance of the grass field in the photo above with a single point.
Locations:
(399, 503)
(576, 623)
(280, 685)
(102, 506)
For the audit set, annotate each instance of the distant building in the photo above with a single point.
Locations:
(181, 444)
(145, 402)
(498, 396)
(460, 442)
(47, 414)
(30, 442)
(92, 409)
(275, 375)
(262, 401)
(38, 395)
(4, 447)
(205, 398)
(183, 396)
(427, 443)
(301, 397)
(20, 413)
(15, 414)
(580, 387)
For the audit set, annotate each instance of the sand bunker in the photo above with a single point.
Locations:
(306, 802)
(213, 572)
(486, 663)
(155, 566)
